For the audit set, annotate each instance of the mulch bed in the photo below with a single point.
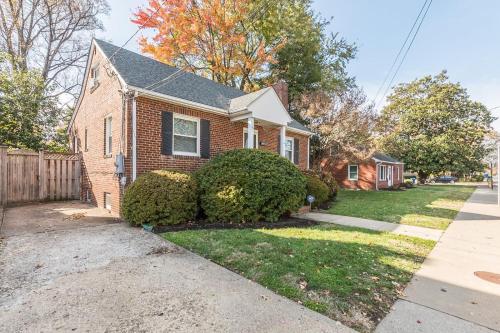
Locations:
(283, 223)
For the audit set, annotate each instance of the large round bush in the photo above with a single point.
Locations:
(317, 188)
(160, 198)
(248, 185)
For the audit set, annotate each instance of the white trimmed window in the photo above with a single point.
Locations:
(186, 135)
(382, 172)
(353, 171)
(255, 138)
(108, 136)
(289, 142)
(94, 76)
(107, 200)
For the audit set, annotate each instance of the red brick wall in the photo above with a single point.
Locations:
(97, 170)
(224, 135)
(367, 175)
(366, 172)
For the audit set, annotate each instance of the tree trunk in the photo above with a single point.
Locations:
(422, 177)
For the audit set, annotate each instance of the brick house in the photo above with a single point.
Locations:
(136, 114)
(380, 171)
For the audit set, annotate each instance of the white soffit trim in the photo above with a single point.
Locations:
(178, 101)
(299, 131)
(380, 161)
(268, 107)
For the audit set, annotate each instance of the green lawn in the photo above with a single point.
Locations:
(432, 206)
(351, 275)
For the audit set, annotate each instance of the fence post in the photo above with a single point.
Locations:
(3, 175)
(41, 175)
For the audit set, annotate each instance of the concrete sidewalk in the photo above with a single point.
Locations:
(400, 229)
(445, 295)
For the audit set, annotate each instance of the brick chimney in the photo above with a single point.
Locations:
(281, 89)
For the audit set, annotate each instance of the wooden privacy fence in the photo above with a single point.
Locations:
(34, 176)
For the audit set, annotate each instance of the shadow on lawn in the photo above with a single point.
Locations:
(350, 275)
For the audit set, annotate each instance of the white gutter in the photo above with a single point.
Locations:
(308, 151)
(299, 131)
(179, 101)
(134, 138)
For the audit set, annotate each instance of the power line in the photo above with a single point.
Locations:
(172, 77)
(400, 51)
(139, 29)
(406, 53)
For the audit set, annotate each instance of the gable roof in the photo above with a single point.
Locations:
(385, 158)
(244, 101)
(148, 74)
(145, 73)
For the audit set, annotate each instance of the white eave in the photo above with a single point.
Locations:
(382, 161)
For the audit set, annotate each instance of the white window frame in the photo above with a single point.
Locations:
(349, 171)
(198, 137)
(93, 77)
(256, 134)
(109, 134)
(382, 167)
(107, 201)
(293, 148)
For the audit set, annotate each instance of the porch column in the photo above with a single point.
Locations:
(282, 140)
(250, 143)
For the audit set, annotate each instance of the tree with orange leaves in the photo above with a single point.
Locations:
(219, 39)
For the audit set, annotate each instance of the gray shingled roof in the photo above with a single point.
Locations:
(385, 158)
(145, 73)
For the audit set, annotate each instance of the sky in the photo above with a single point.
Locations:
(461, 36)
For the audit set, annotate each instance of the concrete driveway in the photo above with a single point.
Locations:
(87, 273)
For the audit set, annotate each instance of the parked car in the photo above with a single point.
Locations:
(444, 179)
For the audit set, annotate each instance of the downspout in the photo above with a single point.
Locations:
(308, 151)
(377, 164)
(134, 137)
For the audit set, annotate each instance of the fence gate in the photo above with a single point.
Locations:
(34, 176)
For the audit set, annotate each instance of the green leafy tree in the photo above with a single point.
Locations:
(433, 126)
(311, 60)
(27, 115)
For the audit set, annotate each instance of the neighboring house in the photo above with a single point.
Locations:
(135, 114)
(380, 171)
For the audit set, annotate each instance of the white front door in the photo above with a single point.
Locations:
(389, 175)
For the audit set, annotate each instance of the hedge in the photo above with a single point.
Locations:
(160, 198)
(249, 185)
(317, 188)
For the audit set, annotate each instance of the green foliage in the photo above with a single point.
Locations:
(248, 185)
(318, 189)
(28, 116)
(160, 198)
(408, 183)
(433, 126)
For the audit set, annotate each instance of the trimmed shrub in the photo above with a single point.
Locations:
(318, 189)
(327, 178)
(249, 185)
(160, 198)
(408, 183)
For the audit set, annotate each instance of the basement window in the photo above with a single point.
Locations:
(107, 200)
